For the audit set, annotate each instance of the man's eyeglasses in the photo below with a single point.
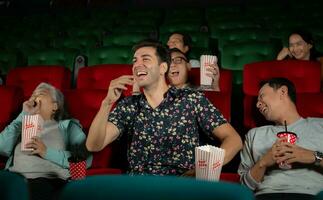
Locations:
(179, 60)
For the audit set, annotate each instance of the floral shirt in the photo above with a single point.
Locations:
(163, 139)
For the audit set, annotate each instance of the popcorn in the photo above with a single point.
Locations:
(208, 162)
(32, 125)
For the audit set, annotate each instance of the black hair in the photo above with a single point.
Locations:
(162, 52)
(187, 40)
(278, 82)
(176, 50)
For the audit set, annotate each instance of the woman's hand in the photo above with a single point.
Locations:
(38, 147)
(31, 106)
(283, 54)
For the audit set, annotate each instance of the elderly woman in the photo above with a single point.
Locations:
(46, 167)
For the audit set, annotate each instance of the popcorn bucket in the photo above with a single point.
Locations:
(208, 162)
(205, 80)
(32, 125)
(78, 170)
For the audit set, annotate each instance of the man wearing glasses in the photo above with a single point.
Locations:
(180, 67)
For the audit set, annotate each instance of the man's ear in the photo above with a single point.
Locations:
(283, 91)
(186, 48)
(163, 68)
(310, 46)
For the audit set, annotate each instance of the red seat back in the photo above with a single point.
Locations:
(304, 74)
(29, 77)
(10, 100)
(222, 99)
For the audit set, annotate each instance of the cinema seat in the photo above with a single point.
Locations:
(304, 74)
(235, 56)
(109, 55)
(83, 104)
(61, 57)
(27, 78)
(153, 187)
(310, 104)
(319, 196)
(13, 186)
(99, 76)
(222, 99)
(10, 101)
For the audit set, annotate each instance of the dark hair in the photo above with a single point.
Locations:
(278, 82)
(175, 50)
(162, 52)
(308, 38)
(187, 40)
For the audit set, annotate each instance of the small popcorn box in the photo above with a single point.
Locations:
(208, 162)
(205, 80)
(32, 125)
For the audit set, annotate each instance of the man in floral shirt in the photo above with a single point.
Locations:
(162, 122)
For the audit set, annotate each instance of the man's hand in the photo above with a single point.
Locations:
(270, 158)
(291, 153)
(38, 146)
(213, 71)
(116, 87)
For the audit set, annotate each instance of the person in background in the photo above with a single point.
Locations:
(301, 47)
(182, 41)
(178, 74)
(263, 151)
(46, 167)
(162, 122)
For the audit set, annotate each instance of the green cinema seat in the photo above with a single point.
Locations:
(319, 196)
(117, 187)
(124, 39)
(13, 186)
(110, 55)
(61, 57)
(235, 56)
(8, 60)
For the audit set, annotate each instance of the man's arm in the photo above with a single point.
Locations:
(101, 131)
(230, 140)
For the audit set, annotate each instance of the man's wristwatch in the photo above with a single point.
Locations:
(318, 158)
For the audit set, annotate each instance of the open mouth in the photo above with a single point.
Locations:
(174, 73)
(141, 74)
(263, 110)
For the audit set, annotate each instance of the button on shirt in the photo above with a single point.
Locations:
(162, 140)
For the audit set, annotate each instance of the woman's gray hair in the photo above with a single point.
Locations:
(58, 97)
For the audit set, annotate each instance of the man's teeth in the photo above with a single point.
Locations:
(141, 73)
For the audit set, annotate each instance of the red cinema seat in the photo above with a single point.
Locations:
(230, 177)
(10, 101)
(306, 76)
(29, 77)
(99, 76)
(83, 104)
(222, 99)
(310, 104)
